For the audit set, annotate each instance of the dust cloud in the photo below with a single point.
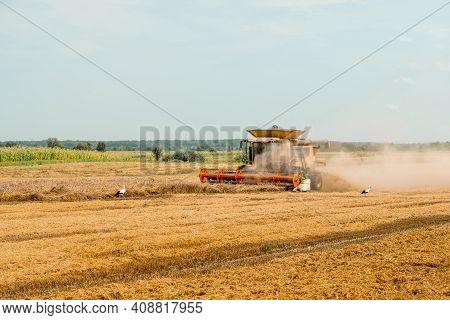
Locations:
(389, 170)
(276, 157)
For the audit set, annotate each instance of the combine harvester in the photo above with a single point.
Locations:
(274, 156)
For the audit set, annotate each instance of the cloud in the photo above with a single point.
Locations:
(100, 17)
(405, 39)
(392, 107)
(282, 28)
(404, 80)
(439, 32)
(443, 66)
(301, 3)
(413, 65)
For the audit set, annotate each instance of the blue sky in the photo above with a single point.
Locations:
(217, 62)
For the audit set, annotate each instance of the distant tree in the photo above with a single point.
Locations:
(348, 146)
(83, 146)
(229, 148)
(53, 143)
(10, 144)
(240, 157)
(193, 156)
(184, 156)
(101, 146)
(203, 146)
(157, 153)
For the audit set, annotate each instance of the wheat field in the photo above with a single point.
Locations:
(64, 236)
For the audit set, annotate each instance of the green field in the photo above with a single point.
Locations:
(42, 155)
(24, 156)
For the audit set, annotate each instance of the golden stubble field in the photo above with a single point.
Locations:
(63, 236)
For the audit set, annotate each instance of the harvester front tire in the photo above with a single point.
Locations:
(316, 181)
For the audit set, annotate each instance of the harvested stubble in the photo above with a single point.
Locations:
(335, 245)
(90, 181)
(162, 242)
(105, 188)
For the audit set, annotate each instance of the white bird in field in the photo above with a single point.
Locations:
(366, 191)
(120, 192)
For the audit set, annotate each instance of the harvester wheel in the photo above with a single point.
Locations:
(316, 181)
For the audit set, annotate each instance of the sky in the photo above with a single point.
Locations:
(225, 63)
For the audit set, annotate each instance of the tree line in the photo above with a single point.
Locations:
(212, 145)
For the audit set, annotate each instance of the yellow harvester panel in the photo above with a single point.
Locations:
(276, 133)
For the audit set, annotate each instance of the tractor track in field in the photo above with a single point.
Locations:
(141, 268)
(320, 246)
(50, 235)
